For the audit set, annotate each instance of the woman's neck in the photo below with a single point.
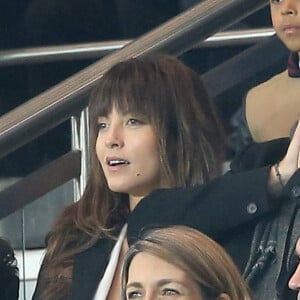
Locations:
(133, 201)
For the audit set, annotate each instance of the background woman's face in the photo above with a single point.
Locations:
(127, 150)
(150, 277)
(286, 22)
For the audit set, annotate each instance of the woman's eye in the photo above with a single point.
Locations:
(133, 121)
(133, 295)
(170, 292)
(101, 126)
(275, 1)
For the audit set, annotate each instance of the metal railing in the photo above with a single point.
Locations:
(239, 70)
(40, 182)
(59, 103)
(96, 50)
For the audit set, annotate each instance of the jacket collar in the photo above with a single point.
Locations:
(293, 65)
(89, 267)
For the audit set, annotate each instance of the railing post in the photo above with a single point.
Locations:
(80, 141)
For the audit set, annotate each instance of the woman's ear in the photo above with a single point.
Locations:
(223, 296)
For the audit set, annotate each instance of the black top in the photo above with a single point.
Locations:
(225, 209)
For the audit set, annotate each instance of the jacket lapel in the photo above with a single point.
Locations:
(89, 267)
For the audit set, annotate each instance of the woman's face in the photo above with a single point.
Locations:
(127, 150)
(286, 22)
(150, 277)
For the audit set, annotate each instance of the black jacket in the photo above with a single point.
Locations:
(224, 209)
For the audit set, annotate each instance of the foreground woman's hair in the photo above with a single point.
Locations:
(205, 261)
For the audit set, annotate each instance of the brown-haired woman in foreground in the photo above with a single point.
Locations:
(179, 262)
(152, 126)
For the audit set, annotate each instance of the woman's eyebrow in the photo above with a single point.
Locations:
(167, 281)
(159, 283)
(100, 118)
(134, 284)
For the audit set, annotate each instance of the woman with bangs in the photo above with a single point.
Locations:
(153, 129)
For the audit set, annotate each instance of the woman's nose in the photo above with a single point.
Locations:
(294, 282)
(114, 138)
(151, 296)
(289, 8)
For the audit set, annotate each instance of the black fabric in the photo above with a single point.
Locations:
(208, 208)
(219, 209)
(89, 267)
(257, 155)
(293, 65)
(282, 283)
(9, 291)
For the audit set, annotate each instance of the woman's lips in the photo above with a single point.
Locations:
(290, 29)
(116, 163)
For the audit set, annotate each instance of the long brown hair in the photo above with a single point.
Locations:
(190, 142)
(205, 261)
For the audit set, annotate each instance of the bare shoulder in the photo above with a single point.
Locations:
(267, 87)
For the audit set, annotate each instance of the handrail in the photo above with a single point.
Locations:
(41, 182)
(45, 54)
(240, 71)
(245, 67)
(59, 103)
